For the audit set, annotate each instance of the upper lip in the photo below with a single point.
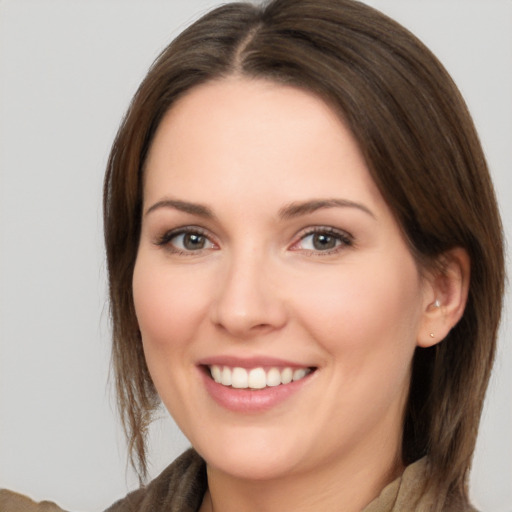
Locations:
(250, 362)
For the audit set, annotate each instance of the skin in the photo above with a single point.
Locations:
(259, 286)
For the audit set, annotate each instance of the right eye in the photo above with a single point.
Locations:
(186, 241)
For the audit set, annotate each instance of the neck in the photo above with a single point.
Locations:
(342, 485)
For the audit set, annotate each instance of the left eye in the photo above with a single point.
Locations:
(185, 241)
(190, 241)
(322, 241)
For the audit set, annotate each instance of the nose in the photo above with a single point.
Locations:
(249, 300)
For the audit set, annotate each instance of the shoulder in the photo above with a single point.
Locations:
(14, 502)
(410, 492)
(179, 488)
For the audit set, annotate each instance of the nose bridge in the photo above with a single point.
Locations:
(248, 301)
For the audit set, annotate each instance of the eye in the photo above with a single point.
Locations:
(186, 241)
(322, 240)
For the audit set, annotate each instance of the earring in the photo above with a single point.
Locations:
(432, 335)
(437, 303)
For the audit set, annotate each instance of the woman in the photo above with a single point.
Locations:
(305, 265)
(238, 121)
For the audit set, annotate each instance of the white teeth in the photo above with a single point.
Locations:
(286, 376)
(239, 378)
(273, 377)
(256, 378)
(216, 373)
(226, 376)
(299, 374)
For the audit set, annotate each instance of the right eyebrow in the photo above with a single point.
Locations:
(297, 209)
(183, 206)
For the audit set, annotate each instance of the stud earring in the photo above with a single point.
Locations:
(437, 303)
(432, 335)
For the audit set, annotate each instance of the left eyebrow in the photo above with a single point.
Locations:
(296, 209)
(182, 206)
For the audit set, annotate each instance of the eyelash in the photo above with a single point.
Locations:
(341, 238)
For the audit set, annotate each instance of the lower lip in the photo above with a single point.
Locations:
(251, 400)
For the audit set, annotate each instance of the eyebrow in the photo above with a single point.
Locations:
(296, 209)
(182, 206)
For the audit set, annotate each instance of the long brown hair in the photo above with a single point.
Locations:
(422, 149)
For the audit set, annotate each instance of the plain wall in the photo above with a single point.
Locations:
(68, 69)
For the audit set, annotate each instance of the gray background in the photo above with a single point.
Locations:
(68, 69)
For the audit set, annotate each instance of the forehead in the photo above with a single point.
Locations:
(240, 133)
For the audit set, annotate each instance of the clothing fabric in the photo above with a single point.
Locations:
(181, 487)
(14, 502)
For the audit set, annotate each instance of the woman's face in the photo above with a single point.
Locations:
(267, 253)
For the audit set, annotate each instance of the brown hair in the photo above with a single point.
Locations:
(424, 155)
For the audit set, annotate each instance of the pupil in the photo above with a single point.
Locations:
(323, 242)
(193, 241)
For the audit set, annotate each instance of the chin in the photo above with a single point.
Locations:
(255, 467)
(252, 457)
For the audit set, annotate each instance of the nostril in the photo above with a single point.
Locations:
(261, 327)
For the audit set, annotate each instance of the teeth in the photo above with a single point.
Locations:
(256, 378)
(226, 377)
(299, 374)
(216, 373)
(239, 378)
(273, 377)
(286, 376)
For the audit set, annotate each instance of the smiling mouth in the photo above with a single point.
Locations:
(256, 378)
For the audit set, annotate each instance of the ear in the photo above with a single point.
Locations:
(446, 293)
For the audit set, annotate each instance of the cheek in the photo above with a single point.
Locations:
(366, 320)
(168, 304)
(364, 309)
